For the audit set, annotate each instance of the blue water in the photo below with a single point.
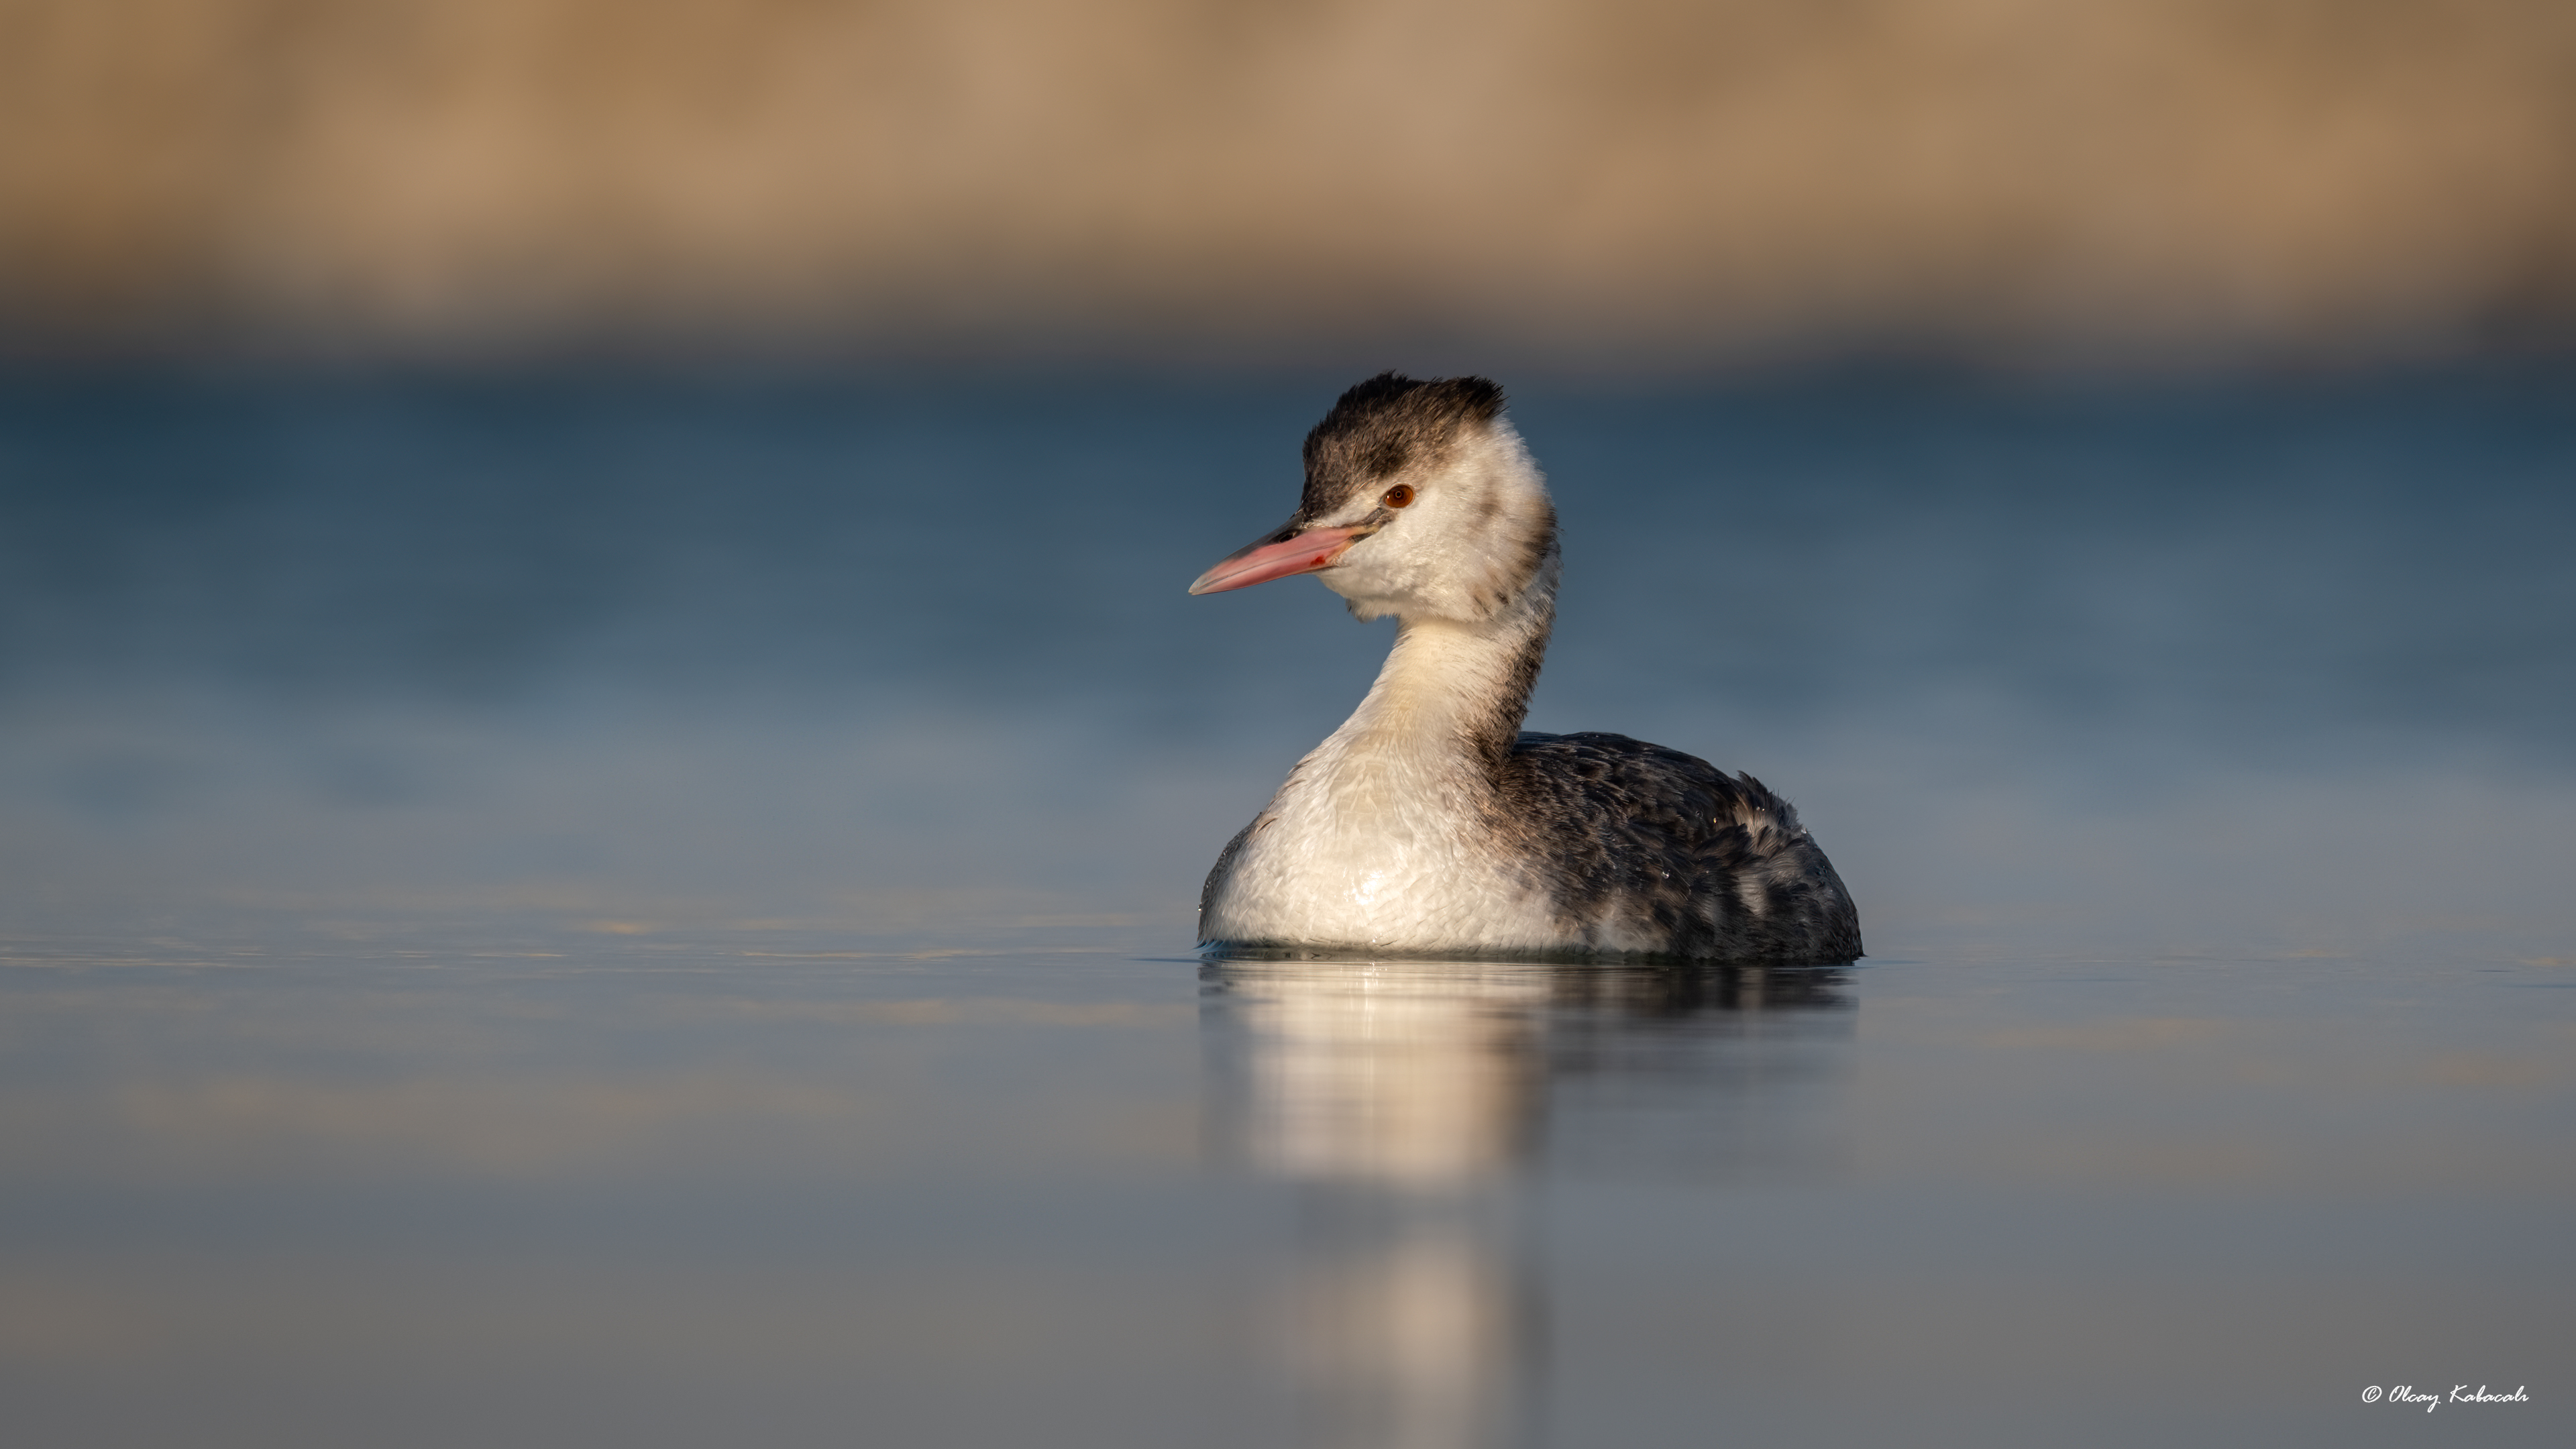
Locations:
(628, 909)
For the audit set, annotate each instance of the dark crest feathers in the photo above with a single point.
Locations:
(1386, 424)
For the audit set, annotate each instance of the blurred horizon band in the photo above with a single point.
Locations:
(1631, 185)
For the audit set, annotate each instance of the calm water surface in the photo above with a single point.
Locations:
(570, 910)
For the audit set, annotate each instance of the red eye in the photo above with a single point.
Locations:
(1399, 495)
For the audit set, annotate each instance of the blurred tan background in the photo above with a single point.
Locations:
(1618, 179)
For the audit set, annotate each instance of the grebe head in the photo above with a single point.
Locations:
(1420, 502)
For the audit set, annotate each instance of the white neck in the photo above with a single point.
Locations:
(1422, 755)
(1386, 832)
(1452, 691)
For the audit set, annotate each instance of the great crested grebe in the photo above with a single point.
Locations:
(1430, 822)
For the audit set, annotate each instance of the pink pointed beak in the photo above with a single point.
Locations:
(1314, 549)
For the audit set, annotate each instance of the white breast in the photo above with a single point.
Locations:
(1372, 843)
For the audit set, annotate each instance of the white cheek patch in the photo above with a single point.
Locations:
(1463, 548)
